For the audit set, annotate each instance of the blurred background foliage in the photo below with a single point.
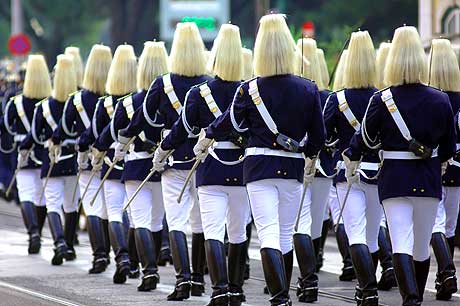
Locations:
(55, 24)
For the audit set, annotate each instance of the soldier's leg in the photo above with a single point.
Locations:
(452, 207)
(70, 216)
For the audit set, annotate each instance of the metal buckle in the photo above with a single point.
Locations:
(79, 107)
(343, 106)
(257, 100)
(214, 109)
(176, 104)
(392, 107)
(354, 122)
(205, 91)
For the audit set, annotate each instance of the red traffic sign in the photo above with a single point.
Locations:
(19, 44)
(308, 29)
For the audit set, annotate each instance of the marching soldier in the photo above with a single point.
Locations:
(348, 272)
(274, 159)
(166, 96)
(147, 210)
(78, 110)
(17, 121)
(121, 81)
(413, 124)
(388, 278)
(343, 115)
(444, 74)
(222, 195)
(59, 166)
(315, 201)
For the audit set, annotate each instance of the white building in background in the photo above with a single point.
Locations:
(439, 18)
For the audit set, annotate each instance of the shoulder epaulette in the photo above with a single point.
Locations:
(199, 84)
(125, 96)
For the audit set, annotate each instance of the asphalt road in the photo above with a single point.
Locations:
(31, 280)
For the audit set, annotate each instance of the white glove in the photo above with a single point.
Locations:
(97, 159)
(23, 158)
(444, 167)
(159, 159)
(351, 168)
(82, 160)
(120, 151)
(201, 149)
(54, 151)
(309, 170)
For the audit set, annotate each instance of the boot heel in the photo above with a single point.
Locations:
(149, 282)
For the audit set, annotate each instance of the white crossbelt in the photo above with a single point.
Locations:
(47, 114)
(108, 104)
(205, 92)
(387, 98)
(257, 100)
(346, 111)
(403, 155)
(225, 145)
(362, 166)
(269, 152)
(169, 91)
(21, 112)
(78, 103)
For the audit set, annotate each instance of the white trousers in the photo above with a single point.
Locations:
(274, 204)
(98, 208)
(320, 189)
(221, 205)
(147, 209)
(58, 194)
(362, 214)
(334, 206)
(115, 197)
(446, 218)
(410, 223)
(29, 186)
(177, 214)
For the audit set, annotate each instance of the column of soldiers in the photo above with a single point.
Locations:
(376, 158)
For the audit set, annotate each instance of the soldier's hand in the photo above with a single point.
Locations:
(23, 158)
(201, 149)
(444, 167)
(159, 159)
(120, 151)
(97, 159)
(309, 170)
(54, 151)
(351, 168)
(82, 160)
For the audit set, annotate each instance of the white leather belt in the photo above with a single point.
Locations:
(270, 152)
(403, 155)
(138, 155)
(19, 137)
(362, 166)
(225, 145)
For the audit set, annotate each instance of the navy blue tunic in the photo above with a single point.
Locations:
(157, 102)
(197, 114)
(326, 155)
(338, 127)
(428, 115)
(43, 131)
(16, 126)
(452, 176)
(294, 104)
(138, 169)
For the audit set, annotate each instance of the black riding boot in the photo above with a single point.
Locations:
(215, 255)
(422, 269)
(106, 235)
(120, 248)
(96, 238)
(247, 270)
(446, 281)
(165, 252)
(348, 272)
(405, 274)
(275, 276)
(307, 286)
(388, 279)
(198, 264)
(148, 257)
(70, 229)
(451, 243)
(320, 255)
(133, 257)
(236, 269)
(60, 246)
(40, 211)
(30, 221)
(366, 294)
(178, 244)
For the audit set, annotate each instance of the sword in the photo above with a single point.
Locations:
(93, 174)
(143, 183)
(342, 206)
(302, 199)
(74, 193)
(13, 179)
(46, 181)
(112, 166)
